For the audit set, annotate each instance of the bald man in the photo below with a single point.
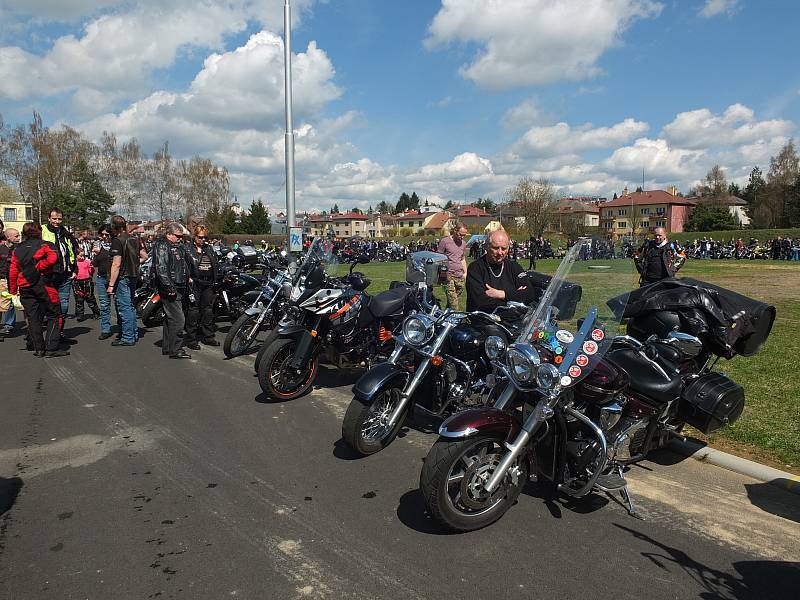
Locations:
(493, 280)
(8, 316)
(659, 258)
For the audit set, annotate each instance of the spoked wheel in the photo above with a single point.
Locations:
(277, 378)
(241, 335)
(366, 426)
(272, 335)
(453, 478)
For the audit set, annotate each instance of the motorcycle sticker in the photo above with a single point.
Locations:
(598, 335)
(574, 371)
(581, 360)
(559, 350)
(590, 347)
(565, 381)
(564, 336)
(558, 359)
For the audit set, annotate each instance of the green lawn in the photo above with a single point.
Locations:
(769, 429)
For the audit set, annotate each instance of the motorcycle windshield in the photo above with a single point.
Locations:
(574, 323)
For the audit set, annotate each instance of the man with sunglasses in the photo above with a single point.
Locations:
(172, 272)
(493, 280)
(200, 313)
(101, 261)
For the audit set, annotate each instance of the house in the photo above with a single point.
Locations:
(413, 220)
(736, 206)
(575, 208)
(472, 216)
(344, 225)
(16, 213)
(641, 212)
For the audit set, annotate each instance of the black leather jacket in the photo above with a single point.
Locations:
(170, 264)
(196, 256)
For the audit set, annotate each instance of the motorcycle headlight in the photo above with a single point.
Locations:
(418, 329)
(286, 288)
(494, 346)
(547, 376)
(523, 361)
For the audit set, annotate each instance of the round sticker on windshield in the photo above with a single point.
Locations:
(590, 347)
(565, 381)
(574, 371)
(598, 335)
(581, 360)
(564, 336)
(558, 359)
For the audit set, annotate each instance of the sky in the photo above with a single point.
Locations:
(451, 99)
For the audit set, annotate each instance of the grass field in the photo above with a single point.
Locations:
(769, 429)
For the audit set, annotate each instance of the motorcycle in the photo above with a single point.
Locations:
(440, 365)
(328, 316)
(577, 422)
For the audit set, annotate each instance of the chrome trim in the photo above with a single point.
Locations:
(456, 434)
(603, 455)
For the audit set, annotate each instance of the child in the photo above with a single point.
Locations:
(83, 286)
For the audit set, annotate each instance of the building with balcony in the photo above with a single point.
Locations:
(641, 212)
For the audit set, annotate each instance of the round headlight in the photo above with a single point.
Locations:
(522, 362)
(547, 376)
(418, 329)
(495, 346)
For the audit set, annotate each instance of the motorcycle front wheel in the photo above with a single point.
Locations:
(272, 335)
(365, 426)
(280, 381)
(452, 480)
(153, 314)
(240, 336)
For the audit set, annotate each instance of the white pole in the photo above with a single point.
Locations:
(289, 136)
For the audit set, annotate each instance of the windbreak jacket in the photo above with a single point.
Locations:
(62, 240)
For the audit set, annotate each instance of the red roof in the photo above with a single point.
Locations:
(349, 216)
(439, 220)
(648, 197)
(471, 211)
(415, 216)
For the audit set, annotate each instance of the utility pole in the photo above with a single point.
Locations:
(289, 136)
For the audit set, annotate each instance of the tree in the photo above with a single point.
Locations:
(414, 200)
(754, 193)
(201, 183)
(357, 210)
(734, 190)
(783, 172)
(257, 220)
(369, 210)
(639, 189)
(385, 208)
(403, 203)
(535, 200)
(615, 196)
(229, 224)
(335, 209)
(85, 201)
(710, 217)
(486, 204)
(448, 205)
(213, 218)
(715, 186)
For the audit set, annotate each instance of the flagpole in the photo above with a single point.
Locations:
(289, 136)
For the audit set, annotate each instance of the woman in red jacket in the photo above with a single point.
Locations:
(29, 275)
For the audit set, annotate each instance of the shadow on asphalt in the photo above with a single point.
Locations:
(666, 457)
(73, 332)
(412, 513)
(554, 501)
(9, 490)
(774, 500)
(759, 579)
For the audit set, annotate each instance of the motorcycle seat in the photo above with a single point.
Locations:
(388, 303)
(645, 378)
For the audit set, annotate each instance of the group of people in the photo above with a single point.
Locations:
(41, 268)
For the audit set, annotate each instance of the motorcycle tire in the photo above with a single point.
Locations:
(240, 336)
(454, 470)
(362, 419)
(153, 314)
(272, 335)
(276, 378)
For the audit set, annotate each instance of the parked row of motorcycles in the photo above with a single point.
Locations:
(567, 389)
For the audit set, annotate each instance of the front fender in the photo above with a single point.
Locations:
(292, 330)
(377, 379)
(483, 420)
(251, 296)
(252, 311)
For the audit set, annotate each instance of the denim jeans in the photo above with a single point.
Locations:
(9, 317)
(63, 283)
(105, 303)
(126, 286)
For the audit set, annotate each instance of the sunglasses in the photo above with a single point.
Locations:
(105, 234)
(202, 237)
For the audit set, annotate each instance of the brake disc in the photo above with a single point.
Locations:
(473, 494)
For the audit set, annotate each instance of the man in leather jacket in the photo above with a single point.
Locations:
(659, 258)
(172, 275)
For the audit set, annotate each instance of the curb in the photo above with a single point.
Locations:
(782, 479)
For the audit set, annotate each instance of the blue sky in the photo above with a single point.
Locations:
(453, 99)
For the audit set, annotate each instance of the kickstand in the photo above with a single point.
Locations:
(626, 497)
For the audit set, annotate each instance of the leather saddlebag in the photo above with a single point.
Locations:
(711, 402)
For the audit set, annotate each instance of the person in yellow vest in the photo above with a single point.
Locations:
(66, 267)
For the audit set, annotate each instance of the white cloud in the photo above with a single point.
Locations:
(712, 8)
(563, 139)
(657, 158)
(524, 114)
(535, 42)
(464, 167)
(737, 125)
(61, 10)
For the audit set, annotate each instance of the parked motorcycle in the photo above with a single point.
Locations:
(577, 422)
(331, 316)
(441, 364)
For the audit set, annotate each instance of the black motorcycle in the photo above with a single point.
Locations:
(332, 317)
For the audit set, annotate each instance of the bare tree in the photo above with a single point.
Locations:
(535, 200)
(203, 185)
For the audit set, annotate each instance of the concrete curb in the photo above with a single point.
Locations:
(776, 477)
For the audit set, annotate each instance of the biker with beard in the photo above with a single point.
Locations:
(493, 280)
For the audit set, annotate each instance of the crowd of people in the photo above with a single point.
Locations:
(777, 248)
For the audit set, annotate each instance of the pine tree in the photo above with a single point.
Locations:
(257, 221)
(335, 209)
(86, 203)
(229, 224)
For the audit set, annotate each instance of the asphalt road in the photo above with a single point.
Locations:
(127, 475)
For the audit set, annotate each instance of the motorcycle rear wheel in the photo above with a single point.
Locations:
(277, 379)
(240, 336)
(364, 425)
(452, 480)
(153, 314)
